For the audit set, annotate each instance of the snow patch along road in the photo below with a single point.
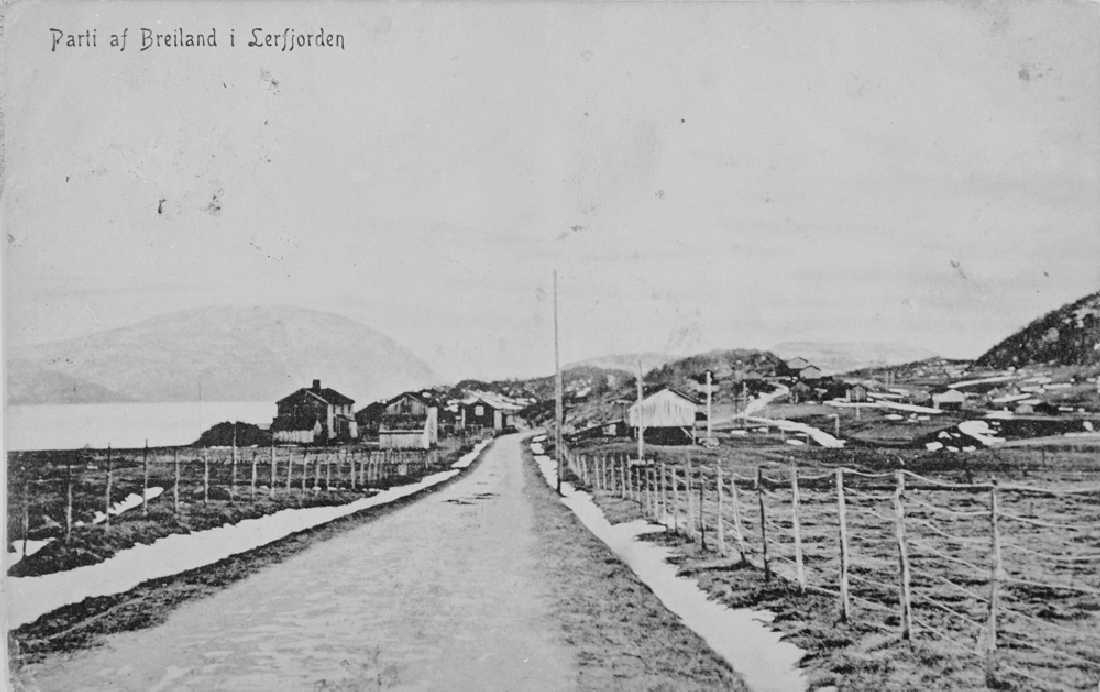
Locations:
(737, 635)
(30, 597)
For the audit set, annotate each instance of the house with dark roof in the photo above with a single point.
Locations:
(410, 420)
(314, 415)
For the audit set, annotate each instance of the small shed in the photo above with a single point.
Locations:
(668, 416)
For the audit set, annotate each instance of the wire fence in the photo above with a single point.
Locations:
(75, 489)
(1005, 575)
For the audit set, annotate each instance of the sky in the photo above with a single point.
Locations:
(700, 174)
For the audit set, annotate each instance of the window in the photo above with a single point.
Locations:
(479, 410)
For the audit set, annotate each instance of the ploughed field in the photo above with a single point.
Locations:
(212, 491)
(1012, 603)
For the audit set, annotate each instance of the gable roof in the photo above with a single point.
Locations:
(326, 395)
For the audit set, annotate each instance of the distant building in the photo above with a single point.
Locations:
(800, 392)
(857, 393)
(486, 412)
(810, 373)
(368, 419)
(948, 400)
(314, 415)
(410, 420)
(669, 416)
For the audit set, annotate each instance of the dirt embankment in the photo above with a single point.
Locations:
(624, 637)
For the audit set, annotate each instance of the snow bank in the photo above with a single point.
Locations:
(32, 548)
(30, 597)
(822, 438)
(980, 431)
(737, 635)
(132, 500)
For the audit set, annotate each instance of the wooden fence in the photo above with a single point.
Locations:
(1006, 574)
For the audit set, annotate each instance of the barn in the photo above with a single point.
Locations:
(669, 416)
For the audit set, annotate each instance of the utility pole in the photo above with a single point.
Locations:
(709, 416)
(641, 428)
(559, 406)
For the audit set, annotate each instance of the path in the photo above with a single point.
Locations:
(441, 594)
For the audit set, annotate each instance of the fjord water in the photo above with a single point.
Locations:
(70, 426)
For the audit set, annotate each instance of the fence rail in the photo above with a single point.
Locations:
(1006, 574)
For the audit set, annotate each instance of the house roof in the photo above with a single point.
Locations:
(325, 394)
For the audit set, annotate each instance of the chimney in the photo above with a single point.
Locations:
(317, 385)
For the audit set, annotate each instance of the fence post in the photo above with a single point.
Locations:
(689, 525)
(252, 491)
(674, 473)
(721, 520)
(735, 505)
(205, 476)
(145, 480)
(845, 600)
(271, 484)
(176, 484)
(68, 498)
(233, 479)
(663, 489)
(797, 529)
(995, 574)
(107, 498)
(903, 560)
(702, 510)
(328, 473)
(763, 522)
(305, 470)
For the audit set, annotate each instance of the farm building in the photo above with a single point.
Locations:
(810, 372)
(948, 400)
(486, 412)
(669, 416)
(409, 421)
(314, 415)
(857, 393)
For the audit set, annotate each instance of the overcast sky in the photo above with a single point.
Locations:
(702, 175)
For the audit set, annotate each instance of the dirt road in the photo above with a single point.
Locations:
(443, 594)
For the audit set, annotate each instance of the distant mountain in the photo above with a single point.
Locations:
(838, 357)
(625, 361)
(1069, 335)
(218, 354)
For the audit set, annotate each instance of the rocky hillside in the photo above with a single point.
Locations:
(1069, 335)
(218, 354)
(838, 357)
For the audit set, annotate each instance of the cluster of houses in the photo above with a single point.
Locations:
(411, 420)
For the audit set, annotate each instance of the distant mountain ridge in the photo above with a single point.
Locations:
(840, 357)
(1069, 335)
(219, 354)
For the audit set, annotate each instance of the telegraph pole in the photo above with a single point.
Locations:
(559, 406)
(641, 428)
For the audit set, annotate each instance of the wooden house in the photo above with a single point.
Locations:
(857, 393)
(800, 392)
(314, 415)
(484, 411)
(669, 416)
(369, 418)
(948, 400)
(410, 421)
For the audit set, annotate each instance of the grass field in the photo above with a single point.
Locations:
(1047, 591)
